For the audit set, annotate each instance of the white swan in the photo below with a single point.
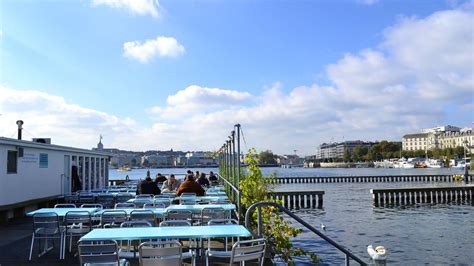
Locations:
(379, 253)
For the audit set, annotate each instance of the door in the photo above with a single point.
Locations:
(67, 175)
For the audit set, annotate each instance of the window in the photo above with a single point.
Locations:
(43, 160)
(12, 162)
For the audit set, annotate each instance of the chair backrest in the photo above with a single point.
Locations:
(143, 215)
(164, 196)
(221, 201)
(222, 221)
(86, 198)
(105, 251)
(210, 213)
(46, 223)
(124, 205)
(158, 205)
(78, 219)
(188, 201)
(123, 197)
(65, 205)
(248, 250)
(136, 224)
(92, 205)
(71, 198)
(179, 215)
(162, 253)
(113, 217)
(139, 202)
(106, 199)
(141, 196)
(175, 223)
(188, 194)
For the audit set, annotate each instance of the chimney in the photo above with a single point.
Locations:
(19, 123)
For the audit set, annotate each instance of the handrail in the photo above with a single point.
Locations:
(237, 191)
(305, 224)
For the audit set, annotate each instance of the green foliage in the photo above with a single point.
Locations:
(254, 188)
(266, 157)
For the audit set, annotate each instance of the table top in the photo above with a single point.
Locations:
(159, 212)
(141, 233)
(62, 211)
(149, 200)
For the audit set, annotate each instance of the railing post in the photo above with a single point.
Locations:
(238, 171)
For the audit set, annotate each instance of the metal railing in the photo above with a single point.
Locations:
(235, 195)
(348, 255)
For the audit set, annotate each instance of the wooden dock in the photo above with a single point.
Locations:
(367, 179)
(408, 196)
(299, 199)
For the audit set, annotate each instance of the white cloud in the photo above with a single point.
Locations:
(368, 2)
(47, 115)
(194, 99)
(161, 46)
(139, 7)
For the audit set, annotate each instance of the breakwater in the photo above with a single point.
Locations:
(406, 196)
(299, 199)
(365, 179)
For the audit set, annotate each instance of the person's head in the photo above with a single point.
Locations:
(190, 178)
(172, 178)
(203, 176)
(159, 174)
(189, 172)
(211, 173)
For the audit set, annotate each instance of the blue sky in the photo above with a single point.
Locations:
(239, 55)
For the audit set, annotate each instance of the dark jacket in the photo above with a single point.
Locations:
(149, 187)
(203, 181)
(160, 179)
(191, 187)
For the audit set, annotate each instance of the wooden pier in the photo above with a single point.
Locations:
(367, 179)
(408, 196)
(299, 199)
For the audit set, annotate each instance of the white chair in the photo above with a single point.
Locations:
(92, 205)
(144, 196)
(190, 254)
(113, 218)
(124, 205)
(78, 223)
(105, 252)
(143, 215)
(161, 253)
(248, 250)
(219, 252)
(65, 205)
(127, 252)
(46, 227)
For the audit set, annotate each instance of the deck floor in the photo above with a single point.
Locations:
(15, 239)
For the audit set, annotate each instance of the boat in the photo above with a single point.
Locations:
(378, 253)
(432, 163)
(124, 169)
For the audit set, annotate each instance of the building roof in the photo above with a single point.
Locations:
(416, 135)
(31, 144)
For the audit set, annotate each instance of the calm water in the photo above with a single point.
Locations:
(421, 234)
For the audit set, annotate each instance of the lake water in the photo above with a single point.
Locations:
(420, 234)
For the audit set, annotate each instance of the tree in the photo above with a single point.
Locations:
(347, 155)
(266, 157)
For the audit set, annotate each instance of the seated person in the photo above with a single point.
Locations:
(149, 187)
(172, 184)
(190, 186)
(213, 178)
(160, 179)
(203, 180)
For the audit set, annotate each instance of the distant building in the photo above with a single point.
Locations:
(336, 150)
(439, 137)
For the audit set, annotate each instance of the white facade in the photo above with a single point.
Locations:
(44, 171)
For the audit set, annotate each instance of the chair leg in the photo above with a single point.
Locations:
(31, 247)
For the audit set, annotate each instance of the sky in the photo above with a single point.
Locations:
(179, 74)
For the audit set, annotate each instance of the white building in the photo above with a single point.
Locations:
(33, 173)
(439, 137)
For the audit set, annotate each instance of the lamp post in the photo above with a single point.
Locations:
(466, 174)
(20, 124)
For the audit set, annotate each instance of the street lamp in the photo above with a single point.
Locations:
(466, 174)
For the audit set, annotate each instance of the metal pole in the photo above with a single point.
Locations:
(238, 171)
(234, 165)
